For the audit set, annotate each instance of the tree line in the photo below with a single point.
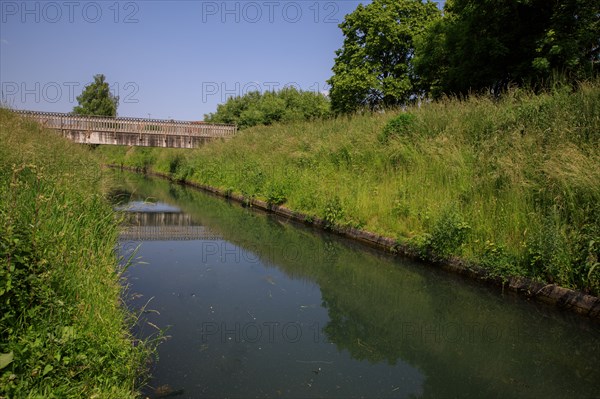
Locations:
(286, 105)
(397, 52)
(400, 51)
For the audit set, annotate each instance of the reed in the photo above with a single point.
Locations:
(64, 332)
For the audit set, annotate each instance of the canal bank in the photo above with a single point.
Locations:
(562, 298)
(509, 185)
(63, 330)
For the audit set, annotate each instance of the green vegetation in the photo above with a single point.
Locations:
(96, 99)
(398, 51)
(374, 67)
(287, 105)
(510, 184)
(480, 45)
(63, 329)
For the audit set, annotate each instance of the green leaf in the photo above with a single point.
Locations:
(68, 333)
(6, 359)
(47, 369)
(589, 273)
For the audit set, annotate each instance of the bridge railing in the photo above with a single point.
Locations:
(61, 121)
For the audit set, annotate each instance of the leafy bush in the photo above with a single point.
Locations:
(333, 211)
(498, 261)
(399, 126)
(276, 193)
(448, 235)
(255, 108)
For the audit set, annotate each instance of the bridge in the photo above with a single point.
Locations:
(131, 131)
(163, 226)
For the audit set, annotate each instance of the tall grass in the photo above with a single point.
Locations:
(511, 184)
(61, 319)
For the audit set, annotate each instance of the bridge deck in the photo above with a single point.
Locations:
(108, 130)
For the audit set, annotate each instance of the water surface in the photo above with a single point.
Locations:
(257, 306)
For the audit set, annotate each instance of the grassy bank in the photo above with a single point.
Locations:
(511, 185)
(63, 329)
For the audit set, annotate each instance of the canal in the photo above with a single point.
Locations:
(257, 306)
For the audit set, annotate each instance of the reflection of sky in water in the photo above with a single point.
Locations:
(145, 206)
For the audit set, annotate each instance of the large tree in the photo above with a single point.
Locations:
(374, 67)
(96, 99)
(571, 41)
(487, 44)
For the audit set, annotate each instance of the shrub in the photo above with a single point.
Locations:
(333, 211)
(448, 235)
(399, 126)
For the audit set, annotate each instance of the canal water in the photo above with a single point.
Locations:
(257, 306)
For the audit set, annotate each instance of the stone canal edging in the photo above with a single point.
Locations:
(563, 298)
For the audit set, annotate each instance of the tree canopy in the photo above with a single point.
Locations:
(96, 99)
(396, 51)
(255, 108)
(488, 44)
(374, 67)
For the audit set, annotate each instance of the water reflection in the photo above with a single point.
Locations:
(276, 309)
(160, 226)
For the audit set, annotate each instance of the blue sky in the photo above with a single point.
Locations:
(166, 59)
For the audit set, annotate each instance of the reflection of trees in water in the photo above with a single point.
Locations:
(175, 191)
(119, 196)
(330, 251)
(463, 339)
(349, 332)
